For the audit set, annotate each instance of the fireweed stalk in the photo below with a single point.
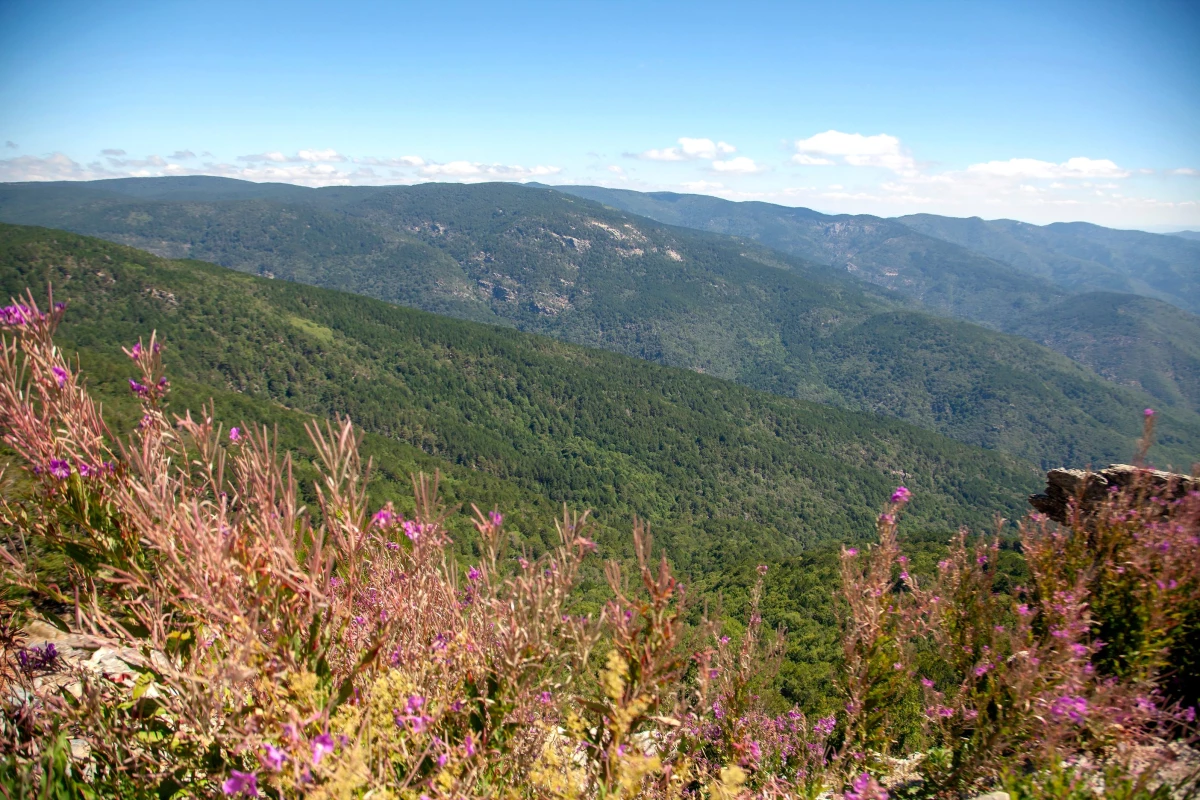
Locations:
(342, 652)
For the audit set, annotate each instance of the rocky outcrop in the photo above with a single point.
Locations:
(1090, 488)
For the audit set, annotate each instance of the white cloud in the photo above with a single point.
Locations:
(811, 161)
(1078, 167)
(613, 168)
(701, 186)
(402, 161)
(302, 157)
(740, 165)
(55, 167)
(321, 156)
(112, 151)
(880, 150)
(137, 163)
(1192, 173)
(690, 150)
(275, 156)
(182, 155)
(480, 171)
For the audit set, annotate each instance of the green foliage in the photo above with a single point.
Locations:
(1081, 257)
(947, 265)
(550, 263)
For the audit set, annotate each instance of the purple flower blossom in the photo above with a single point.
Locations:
(60, 375)
(59, 469)
(1074, 708)
(928, 684)
(851, 551)
(383, 517)
(235, 434)
(901, 495)
(545, 698)
(321, 747)
(824, 726)
(762, 569)
(18, 315)
(137, 388)
(1149, 412)
(38, 659)
(274, 757)
(473, 574)
(864, 787)
(496, 518)
(136, 351)
(241, 783)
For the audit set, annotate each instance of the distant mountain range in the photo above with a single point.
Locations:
(1194, 235)
(807, 327)
(1019, 278)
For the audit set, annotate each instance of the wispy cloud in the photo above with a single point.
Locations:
(112, 151)
(740, 165)
(11, 145)
(1188, 171)
(689, 150)
(1079, 167)
(182, 155)
(474, 170)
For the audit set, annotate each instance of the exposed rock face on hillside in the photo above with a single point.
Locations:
(1090, 488)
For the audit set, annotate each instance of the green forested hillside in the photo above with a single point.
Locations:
(1138, 341)
(549, 263)
(959, 271)
(1079, 256)
(582, 426)
(943, 277)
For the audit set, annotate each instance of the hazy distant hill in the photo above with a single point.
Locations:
(951, 277)
(546, 262)
(1080, 256)
(1193, 235)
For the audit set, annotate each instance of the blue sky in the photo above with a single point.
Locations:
(1036, 111)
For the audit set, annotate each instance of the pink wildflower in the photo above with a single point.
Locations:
(901, 495)
(241, 783)
(274, 757)
(60, 375)
(235, 434)
(321, 747)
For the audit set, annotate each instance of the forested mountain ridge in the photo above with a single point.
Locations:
(581, 426)
(1079, 256)
(942, 277)
(550, 263)
(983, 273)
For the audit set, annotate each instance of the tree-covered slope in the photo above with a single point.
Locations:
(562, 266)
(1137, 341)
(1029, 294)
(583, 426)
(1079, 256)
(941, 276)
